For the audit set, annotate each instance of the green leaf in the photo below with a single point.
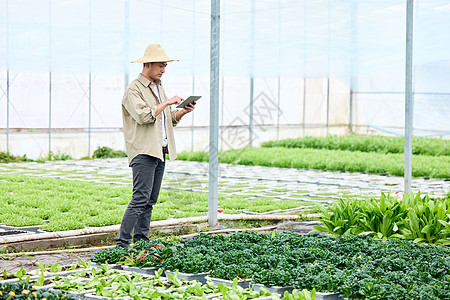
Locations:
(414, 223)
(235, 297)
(420, 240)
(273, 234)
(223, 289)
(55, 268)
(322, 229)
(428, 229)
(40, 279)
(234, 284)
(19, 274)
(40, 265)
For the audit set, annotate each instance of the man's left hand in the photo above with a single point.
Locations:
(188, 108)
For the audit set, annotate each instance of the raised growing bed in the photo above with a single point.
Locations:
(107, 283)
(356, 267)
(200, 277)
(273, 289)
(244, 283)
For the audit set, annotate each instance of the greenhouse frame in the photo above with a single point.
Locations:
(287, 69)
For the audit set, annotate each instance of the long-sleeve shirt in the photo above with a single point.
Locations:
(142, 129)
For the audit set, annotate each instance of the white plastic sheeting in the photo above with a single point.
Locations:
(321, 38)
(290, 47)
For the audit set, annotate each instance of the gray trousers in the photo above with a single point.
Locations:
(148, 172)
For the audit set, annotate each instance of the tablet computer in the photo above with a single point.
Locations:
(190, 99)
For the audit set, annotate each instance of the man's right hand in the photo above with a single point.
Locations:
(175, 100)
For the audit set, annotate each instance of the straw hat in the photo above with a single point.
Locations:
(154, 53)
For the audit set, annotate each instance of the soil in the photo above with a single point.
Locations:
(11, 232)
(13, 264)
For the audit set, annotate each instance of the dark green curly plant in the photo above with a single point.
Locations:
(106, 152)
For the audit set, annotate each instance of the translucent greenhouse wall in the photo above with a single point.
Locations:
(302, 67)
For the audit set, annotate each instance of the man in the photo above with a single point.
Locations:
(148, 122)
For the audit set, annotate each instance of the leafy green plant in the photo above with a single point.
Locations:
(106, 152)
(24, 290)
(99, 281)
(58, 204)
(55, 268)
(379, 144)
(427, 221)
(111, 255)
(239, 293)
(355, 265)
(152, 253)
(416, 218)
(137, 287)
(6, 157)
(40, 280)
(20, 274)
(331, 160)
(379, 218)
(142, 254)
(59, 156)
(340, 218)
(173, 278)
(299, 295)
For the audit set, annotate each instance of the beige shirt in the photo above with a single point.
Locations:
(142, 129)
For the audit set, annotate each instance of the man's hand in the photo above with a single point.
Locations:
(190, 107)
(187, 109)
(175, 100)
(163, 105)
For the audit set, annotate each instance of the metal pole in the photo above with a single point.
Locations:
(279, 73)
(7, 79)
(304, 106)
(126, 44)
(222, 88)
(161, 13)
(252, 51)
(90, 114)
(305, 32)
(214, 114)
(350, 121)
(7, 110)
(409, 101)
(353, 61)
(222, 99)
(328, 104)
(50, 115)
(278, 109)
(192, 115)
(328, 68)
(50, 82)
(193, 75)
(250, 141)
(90, 77)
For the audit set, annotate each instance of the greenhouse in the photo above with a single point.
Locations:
(316, 164)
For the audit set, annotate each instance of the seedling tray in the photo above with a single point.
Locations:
(274, 289)
(245, 283)
(200, 277)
